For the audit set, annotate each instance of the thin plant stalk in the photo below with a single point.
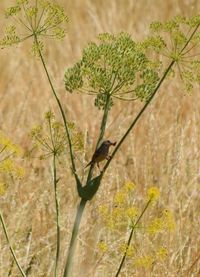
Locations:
(9, 244)
(131, 235)
(54, 157)
(55, 182)
(102, 131)
(138, 117)
(59, 105)
(72, 245)
(104, 120)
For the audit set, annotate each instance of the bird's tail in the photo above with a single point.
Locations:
(90, 163)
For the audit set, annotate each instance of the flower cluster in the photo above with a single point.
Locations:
(9, 150)
(116, 67)
(9, 167)
(178, 40)
(8, 147)
(50, 137)
(147, 261)
(153, 193)
(120, 216)
(124, 212)
(163, 223)
(37, 19)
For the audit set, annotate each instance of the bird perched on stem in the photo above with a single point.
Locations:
(101, 153)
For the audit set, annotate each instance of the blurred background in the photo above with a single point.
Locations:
(162, 150)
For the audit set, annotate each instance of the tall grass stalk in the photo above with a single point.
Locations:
(10, 247)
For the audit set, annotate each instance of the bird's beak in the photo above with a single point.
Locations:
(113, 143)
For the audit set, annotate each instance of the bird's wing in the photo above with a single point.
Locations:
(97, 153)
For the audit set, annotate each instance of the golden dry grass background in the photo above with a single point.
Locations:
(163, 149)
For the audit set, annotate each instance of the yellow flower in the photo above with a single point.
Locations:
(9, 167)
(153, 193)
(162, 253)
(129, 186)
(20, 172)
(49, 115)
(155, 226)
(102, 246)
(145, 261)
(120, 197)
(8, 145)
(117, 213)
(165, 222)
(36, 131)
(131, 212)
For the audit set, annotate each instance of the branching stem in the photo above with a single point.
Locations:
(130, 237)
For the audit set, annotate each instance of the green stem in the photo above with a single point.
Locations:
(102, 131)
(9, 244)
(137, 117)
(59, 105)
(72, 244)
(55, 181)
(188, 41)
(104, 120)
(130, 237)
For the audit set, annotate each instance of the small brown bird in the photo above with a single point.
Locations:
(101, 153)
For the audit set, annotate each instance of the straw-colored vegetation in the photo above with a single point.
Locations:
(159, 161)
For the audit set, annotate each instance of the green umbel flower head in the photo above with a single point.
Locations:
(114, 66)
(178, 40)
(37, 19)
(50, 137)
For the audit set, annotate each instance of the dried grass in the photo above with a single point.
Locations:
(163, 150)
